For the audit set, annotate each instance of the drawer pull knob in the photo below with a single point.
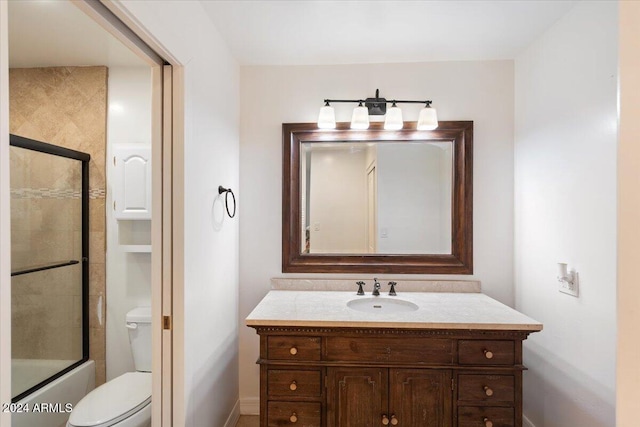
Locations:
(394, 420)
(293, 386)
(293, 418)
(488, 354)
(385, 420)
(293, 351)
(487, 422)
(488, 391)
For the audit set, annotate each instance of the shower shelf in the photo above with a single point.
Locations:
(136, 248)
(41, 267)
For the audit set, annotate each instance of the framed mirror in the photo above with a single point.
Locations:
(377, 201)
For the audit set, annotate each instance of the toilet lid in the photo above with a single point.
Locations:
(113, 401)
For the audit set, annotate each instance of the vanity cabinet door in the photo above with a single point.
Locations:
(357, 397)
(367, 397)
(420, 397)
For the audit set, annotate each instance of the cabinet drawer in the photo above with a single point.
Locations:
(471, 416)
(390, 349)
(293, 414)
(488, 388)
(485, 352)
(293, 348)
(293, 383)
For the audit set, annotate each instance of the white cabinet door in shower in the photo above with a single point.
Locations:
(132, 181)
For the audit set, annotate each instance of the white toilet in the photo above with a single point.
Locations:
(124, 401)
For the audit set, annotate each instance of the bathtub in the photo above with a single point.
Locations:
(65, 391)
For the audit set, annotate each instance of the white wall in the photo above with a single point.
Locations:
(211, 158)
(565, 211)
(128, 274)
(272, 95)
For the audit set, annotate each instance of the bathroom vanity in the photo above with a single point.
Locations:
(420, 359)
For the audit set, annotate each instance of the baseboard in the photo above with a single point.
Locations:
(250, 406)
(526, 422)
(234, 416)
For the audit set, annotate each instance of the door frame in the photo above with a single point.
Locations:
(5, 222)
(167, 233)
(167, 263)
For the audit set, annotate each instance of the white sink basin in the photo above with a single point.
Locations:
(381, 305)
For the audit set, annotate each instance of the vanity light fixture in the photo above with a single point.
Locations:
(360, 117)
(393, 121)
(377, 106)
(327, 117)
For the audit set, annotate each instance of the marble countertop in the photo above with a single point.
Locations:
(436, 310)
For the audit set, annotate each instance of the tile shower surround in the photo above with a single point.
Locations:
(65, 106)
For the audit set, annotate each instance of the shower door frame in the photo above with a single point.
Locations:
(83, 158)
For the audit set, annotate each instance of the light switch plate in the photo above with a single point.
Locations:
(570, 288)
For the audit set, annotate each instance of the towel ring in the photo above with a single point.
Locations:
(221, 190)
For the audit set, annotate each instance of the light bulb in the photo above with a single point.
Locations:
(327, 117)
(360, 117)
(428, 119)
(393, 120)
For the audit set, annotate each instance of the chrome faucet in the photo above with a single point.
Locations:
(376, 288)
(392, 291)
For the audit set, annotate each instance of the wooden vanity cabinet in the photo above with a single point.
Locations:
(358, 377)
(384, 396)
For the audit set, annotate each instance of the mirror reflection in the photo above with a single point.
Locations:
(385, 197)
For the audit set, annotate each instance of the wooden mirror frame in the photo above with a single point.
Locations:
(460, 261)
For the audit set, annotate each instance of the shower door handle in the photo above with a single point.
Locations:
(99, 310)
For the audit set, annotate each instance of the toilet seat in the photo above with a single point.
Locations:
(113, 401)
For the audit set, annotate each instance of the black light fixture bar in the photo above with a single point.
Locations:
(390, 101)
(378, 106)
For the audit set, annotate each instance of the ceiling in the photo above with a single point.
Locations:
(297, 32)
(54, 33)
(301, 32)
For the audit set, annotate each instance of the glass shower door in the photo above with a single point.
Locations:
(49, 257)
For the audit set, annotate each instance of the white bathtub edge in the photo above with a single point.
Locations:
(68, 389)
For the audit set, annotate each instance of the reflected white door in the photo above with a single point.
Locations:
(372, 204)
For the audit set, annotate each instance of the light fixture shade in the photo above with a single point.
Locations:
(360, 118)
(393, 120)
(428, 119)
(327, 118)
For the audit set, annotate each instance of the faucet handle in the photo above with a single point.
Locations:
(392, 291)
(360, 285)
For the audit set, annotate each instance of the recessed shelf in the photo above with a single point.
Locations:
(136, 248)
(134, 235)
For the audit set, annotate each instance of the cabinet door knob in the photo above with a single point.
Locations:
(385, 420)
(293, 350)
(394, 420)
(293, 418)
(488, 391)
(487, 422)
(488, 354)
(293, 386)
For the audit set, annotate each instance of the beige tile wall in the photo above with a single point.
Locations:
(65, 106)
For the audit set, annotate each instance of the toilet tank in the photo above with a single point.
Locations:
(139, 326)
